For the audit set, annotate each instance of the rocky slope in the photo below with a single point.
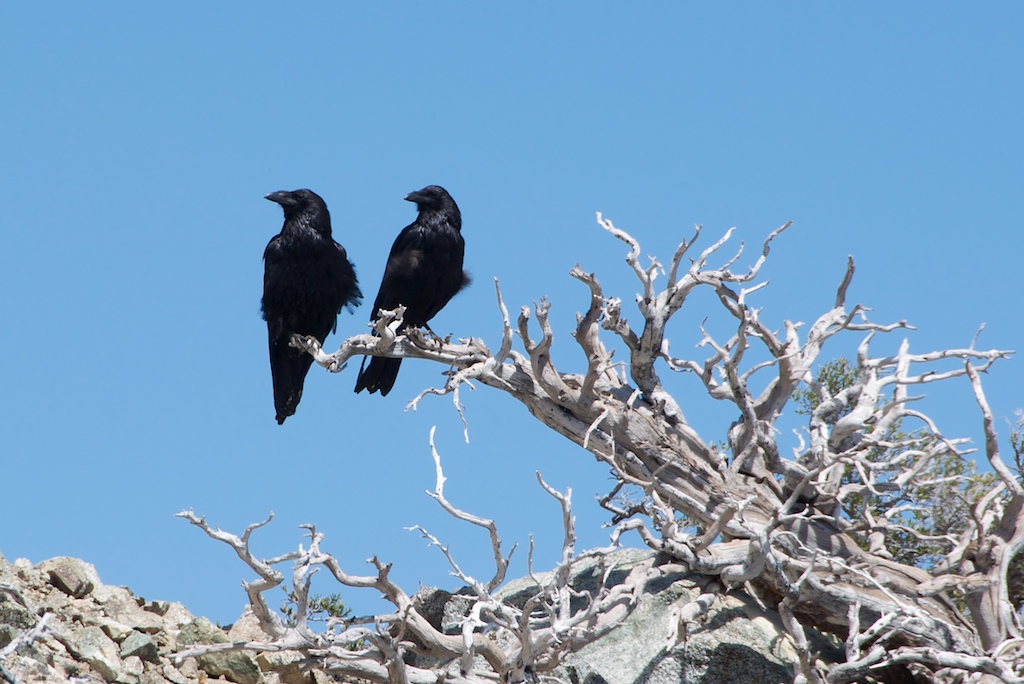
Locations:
(99, 633)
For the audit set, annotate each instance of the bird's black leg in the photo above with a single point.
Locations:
(437, 338)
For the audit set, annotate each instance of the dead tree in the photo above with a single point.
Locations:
(749, 514)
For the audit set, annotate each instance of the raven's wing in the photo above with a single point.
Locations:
(404, 262)
(343, 284)
(423, 272)
(288, 366)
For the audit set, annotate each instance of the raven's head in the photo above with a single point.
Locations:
(297, 201)
(435, 200)
(431, 197)
(303, 208)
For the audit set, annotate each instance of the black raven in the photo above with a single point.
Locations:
(307, 279)
(424, 271)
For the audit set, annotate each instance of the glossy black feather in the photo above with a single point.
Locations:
(307, 280)
(423, 273)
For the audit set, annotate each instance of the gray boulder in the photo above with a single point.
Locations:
(74, 577)
(735, 641)
(235, 666)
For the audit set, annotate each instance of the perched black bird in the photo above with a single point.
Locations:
(424, 271)
(307, 279)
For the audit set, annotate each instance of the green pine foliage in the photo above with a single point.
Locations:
(320, 607)
(921, 519)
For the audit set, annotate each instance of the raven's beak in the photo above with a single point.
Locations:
(413, 197)
(280, 196)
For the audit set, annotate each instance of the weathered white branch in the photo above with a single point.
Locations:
(269, 621)
(1012, 484)
(500, 561)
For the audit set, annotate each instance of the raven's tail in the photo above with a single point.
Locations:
(378, 375)
(288, 367)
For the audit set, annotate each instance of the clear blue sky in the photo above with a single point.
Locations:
(139, 139)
